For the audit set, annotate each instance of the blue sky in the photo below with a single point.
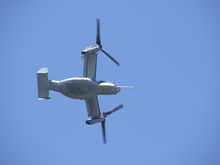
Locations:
(169, 50)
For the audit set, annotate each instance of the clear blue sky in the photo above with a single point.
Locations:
(169, 50)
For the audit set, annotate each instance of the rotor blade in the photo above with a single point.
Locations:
(98, 39)
(113, 110)
(103, 131)
(114, 60)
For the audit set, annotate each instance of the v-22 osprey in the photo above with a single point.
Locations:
(85, 88)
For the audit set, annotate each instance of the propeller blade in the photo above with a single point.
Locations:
(103, 131)
(113, 110)
(98, 39)
(114, 60)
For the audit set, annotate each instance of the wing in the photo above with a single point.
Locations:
(92, 106)
(90, 61)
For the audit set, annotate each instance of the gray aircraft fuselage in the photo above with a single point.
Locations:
(83, 87)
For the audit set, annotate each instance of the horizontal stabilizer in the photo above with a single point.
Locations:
(43, 84)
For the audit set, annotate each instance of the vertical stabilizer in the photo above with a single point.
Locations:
(43, 84)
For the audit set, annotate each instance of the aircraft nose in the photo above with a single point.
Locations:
(118, 89)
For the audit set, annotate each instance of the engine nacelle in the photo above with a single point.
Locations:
(94, 120)
(91, 49)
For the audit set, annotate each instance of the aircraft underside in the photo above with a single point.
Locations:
(86, 87)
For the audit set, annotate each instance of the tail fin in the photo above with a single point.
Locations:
(43, 84)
